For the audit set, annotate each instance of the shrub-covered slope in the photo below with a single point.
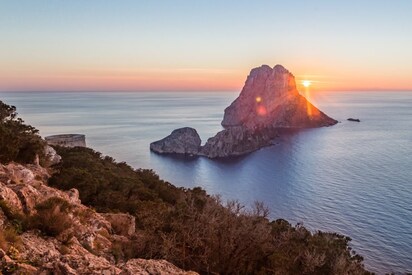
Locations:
(196, 231)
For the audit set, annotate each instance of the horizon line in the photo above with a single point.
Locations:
(189, 90)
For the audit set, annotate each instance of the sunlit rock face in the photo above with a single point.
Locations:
(270, 99)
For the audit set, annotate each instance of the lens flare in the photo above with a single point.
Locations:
(261, 110)
(306, 83)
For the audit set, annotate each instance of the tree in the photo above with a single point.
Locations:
(18, 141)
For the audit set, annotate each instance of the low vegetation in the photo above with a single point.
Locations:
(195, 230)
(51, 217)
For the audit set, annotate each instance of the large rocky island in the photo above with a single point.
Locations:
(268, 103)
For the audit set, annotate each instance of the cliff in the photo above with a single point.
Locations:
(67, 140)
(268, 102)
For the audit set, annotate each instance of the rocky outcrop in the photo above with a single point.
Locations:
(181, 141)
(147, 267)
(270, 99)
(67, 140)
(86, 239)
(268, 102)
(122, 223)
(51, 155)
(236, 141)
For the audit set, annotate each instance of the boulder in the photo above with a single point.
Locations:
(10, 197)
(28, 196)
(51, 155)
(122, 223)
(181, 141)
(74, 195)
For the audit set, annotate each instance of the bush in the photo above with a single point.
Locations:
(51, 217)
(18, 142)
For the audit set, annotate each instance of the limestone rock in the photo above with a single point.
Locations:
(28, 195)
(74, 196)
(51, 155)
(67, 140)
(181, 141)
(84, 246)
(270, 99)
(8, 195)
(152, 267)
(15, 173)
(122, 223)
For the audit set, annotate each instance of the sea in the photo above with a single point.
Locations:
(354, 178)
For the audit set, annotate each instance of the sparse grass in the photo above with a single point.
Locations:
(51, 217)
(9, 238)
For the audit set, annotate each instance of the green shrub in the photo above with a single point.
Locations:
(107, 185)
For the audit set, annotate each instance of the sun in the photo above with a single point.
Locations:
(306, 83)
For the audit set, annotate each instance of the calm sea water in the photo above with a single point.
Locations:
(352, 178)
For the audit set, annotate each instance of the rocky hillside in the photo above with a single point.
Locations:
(44, 230)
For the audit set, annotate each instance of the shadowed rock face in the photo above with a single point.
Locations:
(270, 99)
(268, 102)
(181, 141)
(236, 141)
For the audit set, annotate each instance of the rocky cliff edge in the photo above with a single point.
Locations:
(61, 235)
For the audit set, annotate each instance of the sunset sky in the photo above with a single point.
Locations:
(203, 45)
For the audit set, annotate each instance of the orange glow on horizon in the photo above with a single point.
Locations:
(185, 79)
(129, 80)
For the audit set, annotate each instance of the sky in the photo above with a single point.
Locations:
(203, 45)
